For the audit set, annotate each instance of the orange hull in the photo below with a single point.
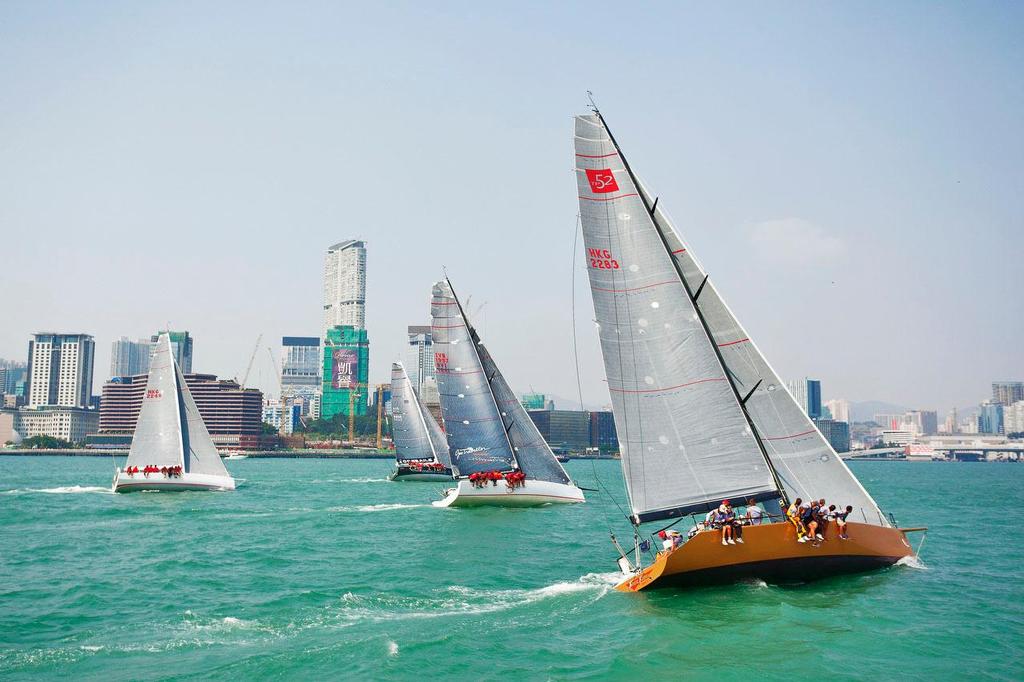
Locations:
(771, 552)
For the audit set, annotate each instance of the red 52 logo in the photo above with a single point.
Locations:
(602, 181)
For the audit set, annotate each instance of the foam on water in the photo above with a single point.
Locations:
(362, 508)
(72, 490)
(912, 562)
(392, 647)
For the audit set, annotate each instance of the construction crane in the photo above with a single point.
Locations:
(252, 357)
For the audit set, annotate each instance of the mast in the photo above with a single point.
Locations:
(693, 299)
(419, 413)
(474, 339)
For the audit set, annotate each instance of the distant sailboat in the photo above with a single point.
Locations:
(488, 430)
(171, 448)
(700, 415)
(421, 450)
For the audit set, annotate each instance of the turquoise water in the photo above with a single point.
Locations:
(322, 569)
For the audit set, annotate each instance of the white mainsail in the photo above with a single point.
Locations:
(417, 436)
(170, 431)
(685, 441)
(642, 241)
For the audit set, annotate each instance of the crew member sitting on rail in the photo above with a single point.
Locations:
(732, 520)
(722, 520)
(793, 514)
(809, 517)
(841, 522)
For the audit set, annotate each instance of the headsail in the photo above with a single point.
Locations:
(476, 435)
(417, 436)
(685, 440)
(201, 456)
(533, 454)
(158, 434)
(804, 461)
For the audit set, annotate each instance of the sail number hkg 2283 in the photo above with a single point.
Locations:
(602, 259)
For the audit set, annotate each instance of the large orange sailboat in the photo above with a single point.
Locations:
(701, 416)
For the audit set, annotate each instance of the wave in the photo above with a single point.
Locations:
(360, 508)
(392, 647)
(912, 562)
(63, 490)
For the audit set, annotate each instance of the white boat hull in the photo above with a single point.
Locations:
(532, 494)
(123, 483)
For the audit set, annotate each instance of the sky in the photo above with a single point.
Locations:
(850, 174)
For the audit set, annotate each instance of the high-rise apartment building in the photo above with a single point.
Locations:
(419, 363)
(837, 433)
(839, 409)
(60, 369)
(128, 358)
(345, 286)
(1007, 392)
(1013, 418)
(181, 348)
(300, 369)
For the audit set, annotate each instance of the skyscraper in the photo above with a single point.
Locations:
(808, 395)
(420, 357)
(990, 418)
(1007, 392)
(129, 358)
(346, 370)
(345, 286)
(181, 348)
(300, 369)
(60, 369)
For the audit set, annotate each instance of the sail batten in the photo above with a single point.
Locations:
(684, 438)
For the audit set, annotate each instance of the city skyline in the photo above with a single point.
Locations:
(848, 235)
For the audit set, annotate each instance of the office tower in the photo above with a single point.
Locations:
(808, 395)
(419, 364)
(839, 408)
(60, 369)
(181, 348)
(345, 286)
(990, 418)
(345, 371)
(929, 422)
(837, 433)
(1007, 392)
(300, 369)
(129, 358)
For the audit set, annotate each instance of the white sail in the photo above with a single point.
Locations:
(170, 431)
(685, 440)
(476, 434)
(201, 456)
(804, 460)
(417, 436)
(158, 433)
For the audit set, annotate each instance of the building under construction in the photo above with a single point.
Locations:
(345, 372)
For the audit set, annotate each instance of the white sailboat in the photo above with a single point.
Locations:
(171, 448)
(498, 456)
(700, 414)
(421, 449)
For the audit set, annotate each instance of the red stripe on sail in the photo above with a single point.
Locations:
(678, 251)
(732, 343)
(597, 156)
(621, 196)
(620, 291)
(795, 435)
(666, 388)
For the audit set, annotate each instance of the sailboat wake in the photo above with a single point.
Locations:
(912, 562)
(63, 490)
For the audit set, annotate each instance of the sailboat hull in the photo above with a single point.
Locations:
(532, 494)
(404, 473)
(123, 483)
(771, 552)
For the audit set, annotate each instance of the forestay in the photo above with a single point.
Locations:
(415, 440)
(804, 460)
(476, 435)
(685, 441)
(532, 452)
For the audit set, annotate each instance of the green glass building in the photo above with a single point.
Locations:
(346, 370)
